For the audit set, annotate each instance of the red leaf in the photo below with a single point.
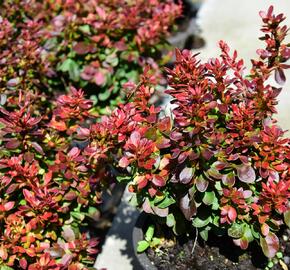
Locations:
(13, 82)
(201, 184)
(243, 243)
(28, 156)
(3, 252)
(58, 125)
(232, 214)
(141, 181)
(187, 206)
(100, 78)
(135, 138)
(270, 11)
(246, 173)
(47, 177)
(223, 108)
(146, 207)
(101, 12)
(280, 76)
(23, 263)
(13, 144)
(124, 162)
(270, 244)
(219, 165)
(160, 212)
(29, 196)
(229, 179)
(74, 152)
(265, 229)
(66, 260)
(152, 192)
(158, 181)
(186, 175)
(30, 252)
(83, 48)
(71, 195)
(9, 205)
(11, 188)
(37, 147)
(68, 234)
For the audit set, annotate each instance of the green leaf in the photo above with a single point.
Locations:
(113, 60)
(122, 178)
(132, 75)
(248, 233)
(157, 200)
(204, 234)
(208, 198)
(218, 186)
(236, 230)
(77, 215)
(199, 223)
(287, 218)
(41, 171)
(215, 204)
(255, 233)
(149, 233)
(23, 202)
(142, 246)
(72, 68)
(155, 242)
(170, 220)
(216, 221)
(166, 202)
(50, 43)
(5, 267)
(92, 211)
(134, 201)
(105, 95)
(85, 28)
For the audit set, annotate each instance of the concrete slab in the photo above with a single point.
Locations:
(117, 252)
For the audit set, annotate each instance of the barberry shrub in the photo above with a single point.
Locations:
(95, 45)
(221, 163)
(49, 185)
(24, 65)
(56, 156)
(100, 45)
(54, 166)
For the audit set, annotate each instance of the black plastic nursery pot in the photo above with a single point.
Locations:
(187, 35)
(218, 253)
(138, 235)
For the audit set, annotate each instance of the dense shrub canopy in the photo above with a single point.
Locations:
(225, 163)
(56, 153)
(93, 44)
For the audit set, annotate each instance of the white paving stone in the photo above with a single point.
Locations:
(117, 253)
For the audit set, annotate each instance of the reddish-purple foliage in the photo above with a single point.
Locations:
(47, 186)
(224, 161)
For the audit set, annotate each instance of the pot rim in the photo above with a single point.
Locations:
(137, 235)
